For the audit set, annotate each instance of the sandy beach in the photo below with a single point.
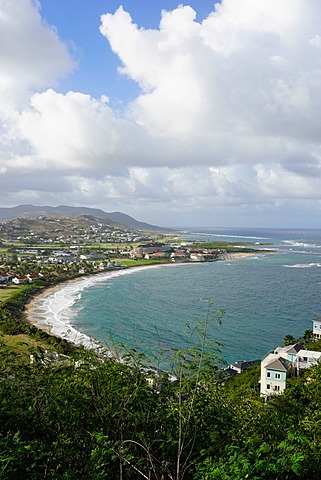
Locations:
(53, 309)
(35, 313)
(240, 255)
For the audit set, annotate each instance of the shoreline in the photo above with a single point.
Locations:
(48, 309)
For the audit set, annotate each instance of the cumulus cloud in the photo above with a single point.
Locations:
(31, 53)
(68, 131)
(31, 57)
(248, 70)
(228, 114)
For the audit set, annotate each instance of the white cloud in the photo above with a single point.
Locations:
(277, 182)
(229, 110)
(202, 93)
(31, 54)
(69, 131)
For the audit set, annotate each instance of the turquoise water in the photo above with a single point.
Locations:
(264, 298)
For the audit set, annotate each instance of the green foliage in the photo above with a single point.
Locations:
(306, 340)
(289, 340)
(247, 383)
(313, 345)
(94, 417)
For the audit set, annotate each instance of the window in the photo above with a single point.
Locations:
(277, 388)
(278, 376)
(268, 387)
(268, 374)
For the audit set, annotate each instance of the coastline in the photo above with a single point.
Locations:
(50, 309)
(240, 255)
(38, 313)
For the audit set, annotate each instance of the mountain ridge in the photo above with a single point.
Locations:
(33, 211)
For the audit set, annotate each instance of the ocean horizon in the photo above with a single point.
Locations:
(264, 297)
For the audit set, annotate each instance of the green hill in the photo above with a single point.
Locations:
(72, 414)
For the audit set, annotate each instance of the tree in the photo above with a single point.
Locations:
(289, 340)
(170, 447)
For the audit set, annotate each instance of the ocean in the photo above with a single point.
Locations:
(264, 297)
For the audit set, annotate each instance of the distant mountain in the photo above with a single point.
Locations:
(32, 211)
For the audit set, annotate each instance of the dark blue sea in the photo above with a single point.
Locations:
(264, 297)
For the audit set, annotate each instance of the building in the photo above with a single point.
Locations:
(150, 248)
(234, 369)
(316, 329)
(289, 352)
(274, 372)
(307, 358)
(196, 257)
(283, 363)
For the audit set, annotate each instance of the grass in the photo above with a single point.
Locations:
(136, 263)
(22, 344)
(7, 292)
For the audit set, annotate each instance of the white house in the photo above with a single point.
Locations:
(20, 279)
(307, 358)
(284, 362)
(316, 329)
(274, 371)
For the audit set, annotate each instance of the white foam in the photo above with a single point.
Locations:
(295, 243)
(303, 265)
(204, 234)
(54, 311)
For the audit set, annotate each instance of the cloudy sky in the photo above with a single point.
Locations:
(194, 114)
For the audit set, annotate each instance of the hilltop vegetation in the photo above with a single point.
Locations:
(87, 416)
(65, 211)
(61, 230)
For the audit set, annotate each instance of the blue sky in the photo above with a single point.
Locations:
(192, 114)
(78, 24)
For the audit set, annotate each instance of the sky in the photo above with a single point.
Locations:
(178, 114)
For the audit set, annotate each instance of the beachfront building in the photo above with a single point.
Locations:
(316, 328)
(178, 256)
(196, 257)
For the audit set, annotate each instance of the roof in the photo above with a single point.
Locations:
(309, 354)
(226, 372)
(244, 364)
(230, 371)
(279, 364)
(294, 348)
(289, 348)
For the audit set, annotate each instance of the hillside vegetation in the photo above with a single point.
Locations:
(90, 417)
